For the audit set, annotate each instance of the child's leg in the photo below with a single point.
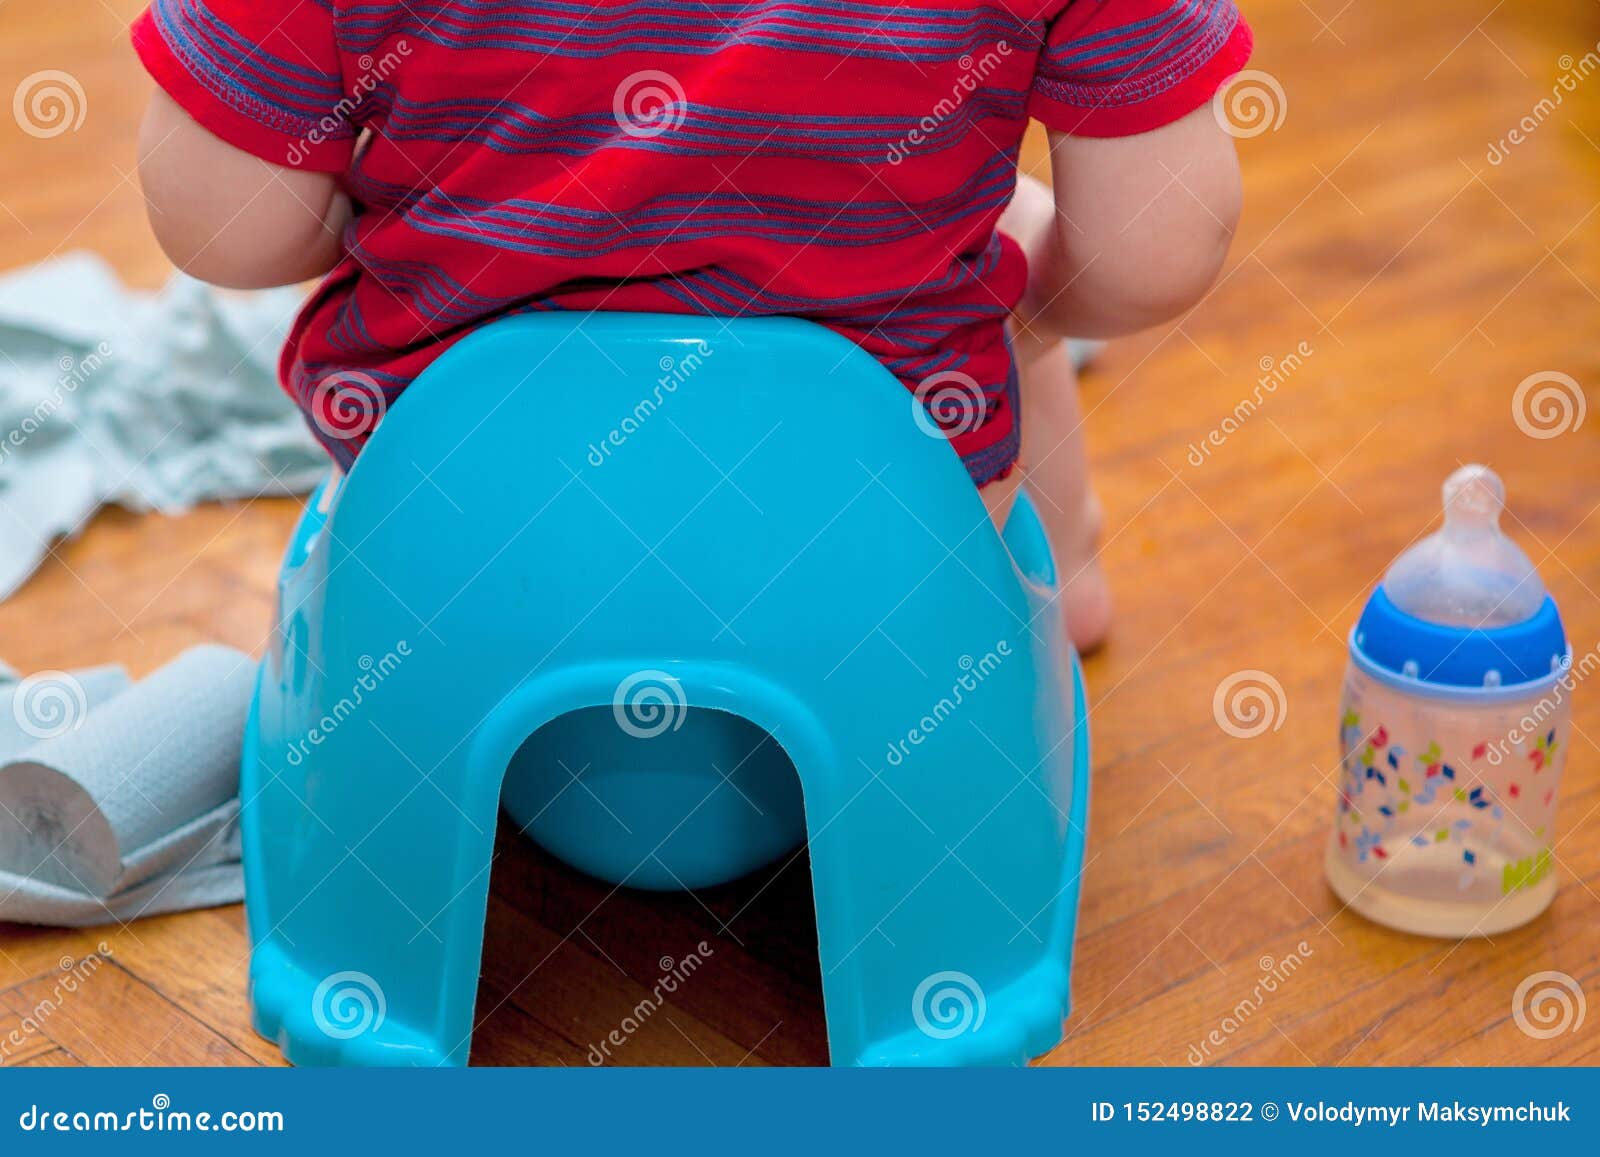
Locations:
(331, 490)
(1056, 461)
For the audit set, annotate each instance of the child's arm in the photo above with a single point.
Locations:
(1137, 230)
(229, 218)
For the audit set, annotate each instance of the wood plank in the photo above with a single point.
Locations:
(121, 1021)
(21, 1040)
(27, 952)
(603, 1015)
(759, 984)
(200, 962)
(507, 1036)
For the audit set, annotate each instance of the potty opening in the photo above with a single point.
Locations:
(684, 798)
(710, 800)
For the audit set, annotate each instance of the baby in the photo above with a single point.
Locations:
(441, 163)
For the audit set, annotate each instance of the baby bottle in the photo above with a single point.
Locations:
(1454, 730)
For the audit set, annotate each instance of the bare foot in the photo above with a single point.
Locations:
(1085, 593)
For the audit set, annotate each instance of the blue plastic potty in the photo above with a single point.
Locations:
(684, 594)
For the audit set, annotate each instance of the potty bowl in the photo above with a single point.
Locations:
(681, 594)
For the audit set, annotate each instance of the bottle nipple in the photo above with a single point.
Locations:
(1467, 574)
(1474, 496)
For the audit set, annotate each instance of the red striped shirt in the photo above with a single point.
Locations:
(840, 160)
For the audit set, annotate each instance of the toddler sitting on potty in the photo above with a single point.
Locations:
(442, 163)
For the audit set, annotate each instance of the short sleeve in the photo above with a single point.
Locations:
(264, 75)
(1115, 68)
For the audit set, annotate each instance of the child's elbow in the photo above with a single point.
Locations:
(218, 258)
(195, 247)
(1158, 271)
(1148, 222)
(258, 246)
(223, 216)
(1183, 275)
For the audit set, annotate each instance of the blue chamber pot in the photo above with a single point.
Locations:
(681, 594)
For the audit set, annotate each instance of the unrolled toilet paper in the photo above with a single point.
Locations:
(153, 401)
(118, 801)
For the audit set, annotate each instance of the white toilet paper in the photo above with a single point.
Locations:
(126, 801)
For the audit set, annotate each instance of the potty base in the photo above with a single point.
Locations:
(669, 675)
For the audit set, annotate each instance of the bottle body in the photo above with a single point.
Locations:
(1447, 802)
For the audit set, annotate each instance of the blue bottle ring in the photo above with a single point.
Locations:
(1405, 651)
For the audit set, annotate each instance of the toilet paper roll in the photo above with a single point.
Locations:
(142, 786)
(28, 707)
